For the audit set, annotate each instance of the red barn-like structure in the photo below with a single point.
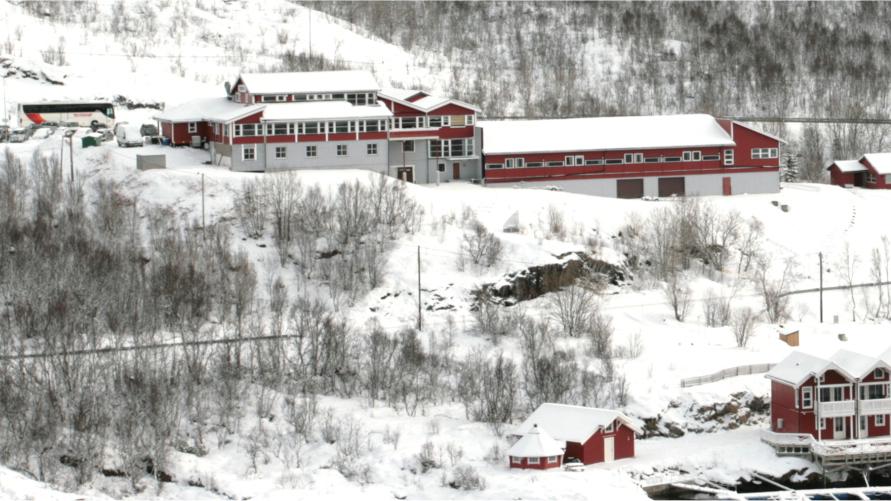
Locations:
(845, 396)
(632, 157)
(872, 170)
(591, 435)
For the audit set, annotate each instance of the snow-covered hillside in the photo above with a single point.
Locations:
(188, 49)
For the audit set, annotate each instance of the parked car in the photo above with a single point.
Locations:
(148, 130)
(573, 464)
(118, 126)
(20, 135)
(129, 135)
(107, 134)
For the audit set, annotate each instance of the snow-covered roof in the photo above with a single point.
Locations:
(425, 104)
(798, 367)
(536, 443)
(855, 364)
(881, 162)
(848, 166)
(602, 133)
(309, 82)
(572, 423)
(401, 94)
(317, 110)
(216, 109)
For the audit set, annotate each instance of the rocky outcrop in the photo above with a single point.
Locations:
(681, 417)
(534, 281)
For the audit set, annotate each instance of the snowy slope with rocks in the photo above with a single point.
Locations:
(696, 422)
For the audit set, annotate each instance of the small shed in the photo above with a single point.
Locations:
(790, 337)
(536, 450)
(591, 435)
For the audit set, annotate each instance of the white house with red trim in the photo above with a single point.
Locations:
(330, 120)
(632, 157)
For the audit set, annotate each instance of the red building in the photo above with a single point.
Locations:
(843, 397)
(536, 450)
(632, 157)
(591, 435)
(872, 170)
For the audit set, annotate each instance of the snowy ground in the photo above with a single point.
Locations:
(672, 350)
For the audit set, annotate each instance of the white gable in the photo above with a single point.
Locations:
(572, 423)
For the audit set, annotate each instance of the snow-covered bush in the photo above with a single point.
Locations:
(480, 246)
(466, 478)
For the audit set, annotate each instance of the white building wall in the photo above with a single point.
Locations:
(357, 156)
(700, 184)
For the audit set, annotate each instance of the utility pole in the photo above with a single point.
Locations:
(821, 286)
(419, 287)
(71, 156)
(309, 16)
(202, 204)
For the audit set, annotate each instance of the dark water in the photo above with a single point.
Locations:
(813, 481)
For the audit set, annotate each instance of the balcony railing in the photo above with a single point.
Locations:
(875, 406)
(837, 409)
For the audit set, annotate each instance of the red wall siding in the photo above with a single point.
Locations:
(840, 178)
(179, 132)
(452, 109)
(745, 140)
(880, 179)
(251, 119)
(455, 132)
(280, 139)
(542, 464)
(592, 451)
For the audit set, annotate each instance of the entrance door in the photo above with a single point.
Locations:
(406, 173)
(728, 190)
(671, 186)
(609, 449)
(630, 188)
(860, 179)
(839, 429)
(863, 428)
(456, 170)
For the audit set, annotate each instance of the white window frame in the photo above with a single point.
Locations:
(773, 153)
(878, 373)
(697, 156)
(780, 423)
(532, 461)
(406, 143)
(516, 460)
(280, 98)
(880, 420)
(508, 163)
(807, 397)
(728, 157)
(609, 428)
(245, 149)
(821, 424)
(552, 459)
(469, 119)
(863, 424)
(369, 147)
(628, 158)
(569, 160)
(283, 150)
(520, 162)
(346, 150)
(193, 127)
(870, 178)
(580, 160)
(315, 151)
(687, 156)
(242, 88)
(836, 422)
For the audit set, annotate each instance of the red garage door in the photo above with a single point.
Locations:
(669, 186)
(629, 188)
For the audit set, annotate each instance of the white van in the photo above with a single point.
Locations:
(128, 135)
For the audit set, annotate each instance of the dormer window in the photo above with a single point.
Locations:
(609, 428)
(242, 88)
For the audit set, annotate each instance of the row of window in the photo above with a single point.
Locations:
(839, 422)
(310, 151)
(765, 153)
(449, 148)
(354, 98)
(629, 158)
(519, 460)
(432, 121)
(288, 128)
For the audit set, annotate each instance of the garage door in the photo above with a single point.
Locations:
(629, 188)
(669, 186)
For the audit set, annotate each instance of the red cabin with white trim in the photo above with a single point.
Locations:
(872, 170)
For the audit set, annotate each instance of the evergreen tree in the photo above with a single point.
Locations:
(789, 168)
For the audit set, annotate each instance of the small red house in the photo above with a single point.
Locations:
(845, 396)
(872, 170)
(591, 435)
(536, 450)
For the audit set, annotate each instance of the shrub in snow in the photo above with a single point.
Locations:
(716, 309)
(572, 306)
(466, 478)
(480, 246)
(743, 322)
(429, 458)
(677, 293)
